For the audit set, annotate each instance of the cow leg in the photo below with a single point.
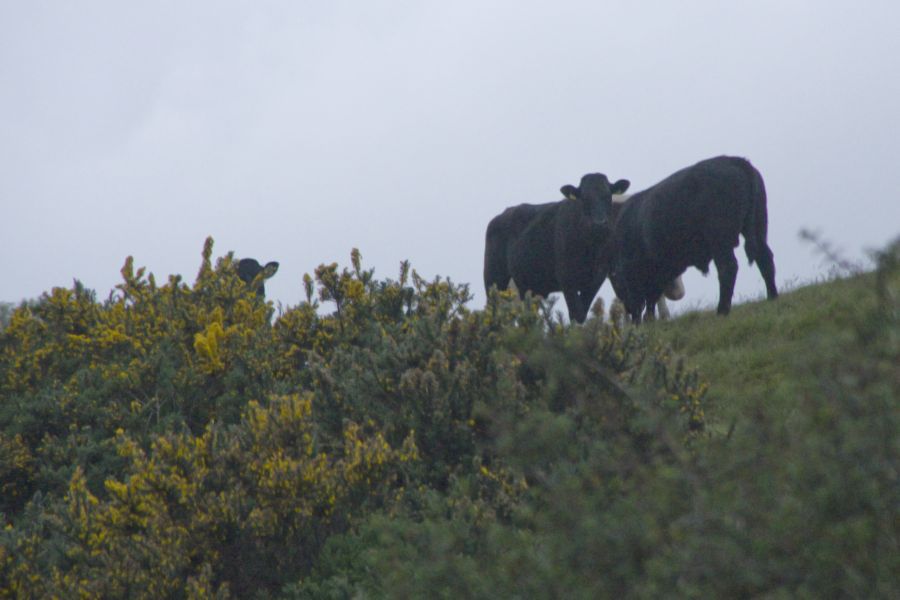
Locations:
(636, 316)
(727, 268)
(650, 310)
(766, 265)
(575, 303)
(663, 309)
(588, 295)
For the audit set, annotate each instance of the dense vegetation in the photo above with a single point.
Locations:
(382, 439)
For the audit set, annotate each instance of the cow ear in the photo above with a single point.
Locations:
(569, 191)
(271, 268)
(620, 187)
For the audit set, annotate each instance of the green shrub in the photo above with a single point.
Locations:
(383, 439)
(629, 501)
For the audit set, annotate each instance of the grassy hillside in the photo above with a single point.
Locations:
(764, 352)
(382, 439)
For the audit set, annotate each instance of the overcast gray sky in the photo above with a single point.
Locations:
(297, 130)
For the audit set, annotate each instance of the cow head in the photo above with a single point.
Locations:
(595, 193)
(250, 271)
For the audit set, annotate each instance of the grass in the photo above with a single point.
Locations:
(752, 357)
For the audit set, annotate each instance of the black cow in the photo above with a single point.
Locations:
(545, 248)
(674, 290)
(689, 219)
(248, 269)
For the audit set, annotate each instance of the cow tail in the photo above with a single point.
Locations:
(756, 225)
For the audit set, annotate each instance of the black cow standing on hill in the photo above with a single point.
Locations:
(249, 268)
(545, 248)
(689, 219)
(674, 290)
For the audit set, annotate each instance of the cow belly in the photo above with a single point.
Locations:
(673, 265)
(531, 265)
(685, 238)
(534, 277)
(536, 285)
(693, 252)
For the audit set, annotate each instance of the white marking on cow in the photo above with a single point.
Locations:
(675, 290)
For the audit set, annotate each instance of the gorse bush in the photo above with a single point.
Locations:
(150, 359)
(382, 439)
(223, 511)
(173, 441)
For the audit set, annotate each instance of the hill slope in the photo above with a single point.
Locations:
(762, 353)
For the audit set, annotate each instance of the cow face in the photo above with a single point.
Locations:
(249, 270)
(595, 193)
